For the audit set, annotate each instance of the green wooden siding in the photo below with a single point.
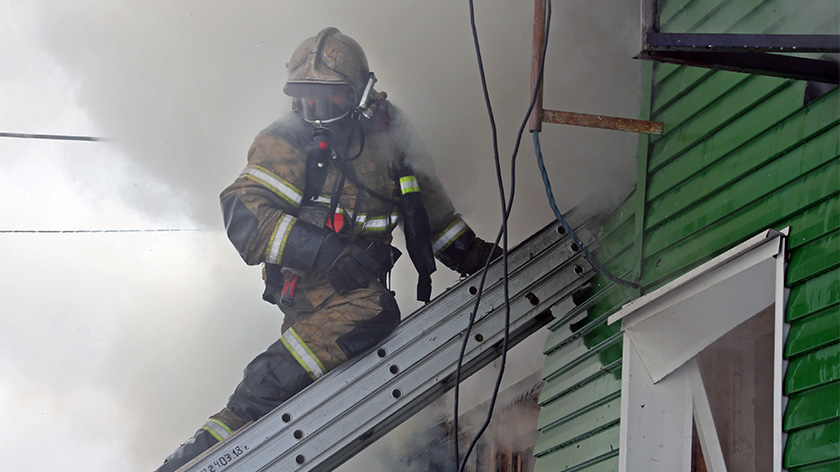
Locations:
(813, 369)
(818, 293)
(818, 406)
(814, 258)
(814, 332)
(813, 446)
(741, 153)
(830, 466)
(800, 135)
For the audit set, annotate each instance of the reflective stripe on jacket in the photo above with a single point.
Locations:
(269, 191)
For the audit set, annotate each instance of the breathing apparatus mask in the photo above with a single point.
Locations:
(326, 106)
(321, 111)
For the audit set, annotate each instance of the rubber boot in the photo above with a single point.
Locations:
(220, 426)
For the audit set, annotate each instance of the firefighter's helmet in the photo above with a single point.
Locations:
(328, 73)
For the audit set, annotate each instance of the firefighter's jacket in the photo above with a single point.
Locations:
(262, 206)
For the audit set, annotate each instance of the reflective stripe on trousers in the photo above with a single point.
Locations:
(219, 430)
(322, 330)
(303, 354)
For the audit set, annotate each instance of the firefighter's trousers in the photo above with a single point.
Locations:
(322, 330)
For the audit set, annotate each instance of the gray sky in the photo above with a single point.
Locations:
(115, 347)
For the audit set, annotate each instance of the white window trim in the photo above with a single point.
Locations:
(662, 392)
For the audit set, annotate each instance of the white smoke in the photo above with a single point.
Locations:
(116, 347)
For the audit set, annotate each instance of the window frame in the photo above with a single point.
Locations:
(662, 392)
(763, 54)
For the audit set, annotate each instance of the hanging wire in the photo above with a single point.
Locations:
(502, 231)
(506, 209)
(77, 231)
(59, 137)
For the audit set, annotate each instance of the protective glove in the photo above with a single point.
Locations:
(477, 255)
(346, 266)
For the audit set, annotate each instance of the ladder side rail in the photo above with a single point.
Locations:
(381, 422)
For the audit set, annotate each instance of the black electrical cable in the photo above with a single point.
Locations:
(500, 182)
(59, 137)
(503, 231)
(506, 209)
(79, 231)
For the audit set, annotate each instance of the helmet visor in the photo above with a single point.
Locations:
(326, 109)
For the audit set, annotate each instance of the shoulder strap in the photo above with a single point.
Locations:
(316, 174)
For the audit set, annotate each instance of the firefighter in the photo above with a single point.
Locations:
(316, 204)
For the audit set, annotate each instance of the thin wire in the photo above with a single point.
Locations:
(75, 231)
(506, 209)
(503, 230)
(60, 137)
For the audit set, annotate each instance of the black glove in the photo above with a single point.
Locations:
(477, 255)
(346, 266)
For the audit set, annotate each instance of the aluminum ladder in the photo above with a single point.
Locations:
(355, 404)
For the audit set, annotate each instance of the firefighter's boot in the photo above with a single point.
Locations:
(219, 427)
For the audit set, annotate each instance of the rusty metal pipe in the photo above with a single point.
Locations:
(536, 57)
(601, 121)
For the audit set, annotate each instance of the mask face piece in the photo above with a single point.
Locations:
(323, 110)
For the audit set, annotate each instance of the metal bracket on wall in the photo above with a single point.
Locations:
(761, 63)
(540, 115)
(762, 54)
(360, 401)
(602, 121)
